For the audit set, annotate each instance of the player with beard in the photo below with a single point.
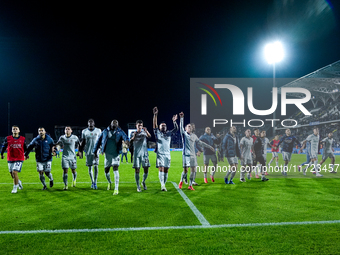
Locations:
(163, 140)
(110, 142)
(44, 149)
(88, 139)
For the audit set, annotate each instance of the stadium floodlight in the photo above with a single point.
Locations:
(273, 53)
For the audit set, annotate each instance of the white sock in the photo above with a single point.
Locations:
(191, 180)
(91, 173)
(65, 176)
(137, 180)
(182, 176)
(116, 173)
(316, 166)
(228, 173)
(232, 175)
(165, 177)
(74, 176)
(161, 178)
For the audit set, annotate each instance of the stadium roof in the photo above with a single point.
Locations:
(323, 84)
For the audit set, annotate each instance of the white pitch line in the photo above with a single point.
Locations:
(198, 214)
(60, 231)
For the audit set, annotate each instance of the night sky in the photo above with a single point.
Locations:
(62, 63)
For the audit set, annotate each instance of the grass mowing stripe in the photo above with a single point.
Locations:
(198, 214)
(167, 228)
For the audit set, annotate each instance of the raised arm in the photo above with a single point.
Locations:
(181, 128)
(148, 135)
(155, 114)
(175, 129)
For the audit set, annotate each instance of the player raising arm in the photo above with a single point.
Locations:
(16, 147)
(189, 157)
(163, 140)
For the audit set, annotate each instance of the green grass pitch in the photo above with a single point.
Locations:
(295, 198)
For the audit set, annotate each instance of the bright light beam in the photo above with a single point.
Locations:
(273, 52)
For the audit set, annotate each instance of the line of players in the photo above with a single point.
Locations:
(109, 141)
(250, 150)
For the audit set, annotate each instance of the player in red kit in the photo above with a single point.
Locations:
(16, 147)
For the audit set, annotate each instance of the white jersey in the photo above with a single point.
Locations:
(314, 143)
(69, 146)
(189, 141)
(90, 138)
(327, 148)
(246, 144)
(265, 142)
(163, 142)
(140, 144)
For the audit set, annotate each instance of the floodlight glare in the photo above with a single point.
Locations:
(273, 52)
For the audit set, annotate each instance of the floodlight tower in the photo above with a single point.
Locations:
(274, 54)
